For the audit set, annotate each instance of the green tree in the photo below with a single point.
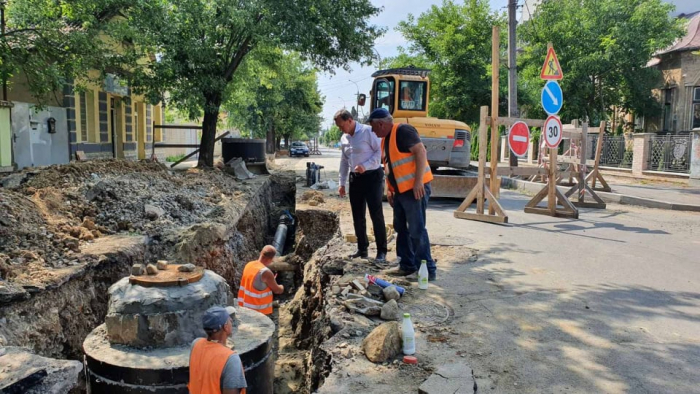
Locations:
(277, 97)
(201, 44)
(454, 40)
(603, 47)
(48, 43)
(332, 135)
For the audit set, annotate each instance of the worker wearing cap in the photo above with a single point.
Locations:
(258, 283)
(408, 183)
(361, 160)
(214, 367)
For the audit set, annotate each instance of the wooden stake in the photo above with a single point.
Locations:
(495, 63)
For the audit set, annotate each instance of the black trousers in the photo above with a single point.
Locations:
(366, 192)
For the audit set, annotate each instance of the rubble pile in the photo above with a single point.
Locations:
(48, 215)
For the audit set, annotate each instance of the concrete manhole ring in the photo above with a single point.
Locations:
(450, 240)
(428, 313)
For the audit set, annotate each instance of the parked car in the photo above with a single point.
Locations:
(298, 149)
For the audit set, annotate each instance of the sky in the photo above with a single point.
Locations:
(338, 89)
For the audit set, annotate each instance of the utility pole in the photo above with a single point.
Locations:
(2, 31)
(512, 71)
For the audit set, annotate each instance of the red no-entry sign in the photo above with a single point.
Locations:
(519, 138)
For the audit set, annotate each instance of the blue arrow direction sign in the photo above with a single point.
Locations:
(552, 98)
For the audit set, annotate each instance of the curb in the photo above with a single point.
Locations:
(615, 198)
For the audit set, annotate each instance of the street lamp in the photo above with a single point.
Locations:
(357, 97)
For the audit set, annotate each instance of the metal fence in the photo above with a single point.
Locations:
(670, 153)
(617, 152)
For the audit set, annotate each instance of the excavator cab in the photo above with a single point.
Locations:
(402, 91)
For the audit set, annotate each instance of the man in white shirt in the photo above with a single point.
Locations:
(360, 166)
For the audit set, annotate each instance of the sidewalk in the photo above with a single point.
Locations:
(627, 191)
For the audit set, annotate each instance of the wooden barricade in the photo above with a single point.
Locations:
(595, 175)
(581, 187)
(480, 193)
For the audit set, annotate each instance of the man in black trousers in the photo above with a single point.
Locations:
(361, 167)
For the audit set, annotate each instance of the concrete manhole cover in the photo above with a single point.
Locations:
(428, 313)
(450, 240)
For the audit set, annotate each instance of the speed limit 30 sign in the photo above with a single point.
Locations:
(552, 131)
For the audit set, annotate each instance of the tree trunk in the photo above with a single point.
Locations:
(286, 141)
(211, 116)
(271, 140)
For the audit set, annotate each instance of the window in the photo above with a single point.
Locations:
(383, 93)
(696, 108)
(668, 124)
(412, 95)
(83, 118)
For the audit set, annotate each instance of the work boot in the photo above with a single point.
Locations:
(361, 254)
(381, 257)
(399, 272)
(432, 277)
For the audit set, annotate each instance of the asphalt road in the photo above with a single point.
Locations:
(607, 303)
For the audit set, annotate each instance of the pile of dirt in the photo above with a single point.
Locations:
(48, 215)
(313, 195)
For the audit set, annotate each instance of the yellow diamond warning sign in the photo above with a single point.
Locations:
(551, 68)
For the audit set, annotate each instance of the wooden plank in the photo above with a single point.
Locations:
(595, 205)
(495, 99)
(225, 133)
(493, 201)
(538, 197)
(471, 196)
(481, 218)
(510, 121)
(568, 206)
(545, 211)
(527, 171)
(570, 160)
(483, 143)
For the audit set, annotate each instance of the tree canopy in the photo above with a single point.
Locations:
(199, 45)
(48, 43)
(603, 47)
(275, 95)
(454, 40)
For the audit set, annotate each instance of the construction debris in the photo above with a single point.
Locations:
(390, 293)
(162, 264)
(138, 269)
(151, 269)
(390, 311)
(186, 268)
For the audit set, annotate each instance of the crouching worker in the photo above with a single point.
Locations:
(214, 368)
(258, 283)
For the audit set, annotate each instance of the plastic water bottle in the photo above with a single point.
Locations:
(423, 276)
(408, 335)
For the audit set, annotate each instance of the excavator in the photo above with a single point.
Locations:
(405, 93)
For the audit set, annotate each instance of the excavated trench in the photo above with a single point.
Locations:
(54, 321)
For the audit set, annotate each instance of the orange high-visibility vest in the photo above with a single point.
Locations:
(403, 165)
(207, 362)
(248, 296)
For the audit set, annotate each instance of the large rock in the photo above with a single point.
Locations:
(383, 343)
(390, 293)
(152, 212)
(390, 311)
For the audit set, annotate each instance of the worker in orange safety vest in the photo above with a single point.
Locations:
(258, 283)
(214, 367)
(408, 191)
